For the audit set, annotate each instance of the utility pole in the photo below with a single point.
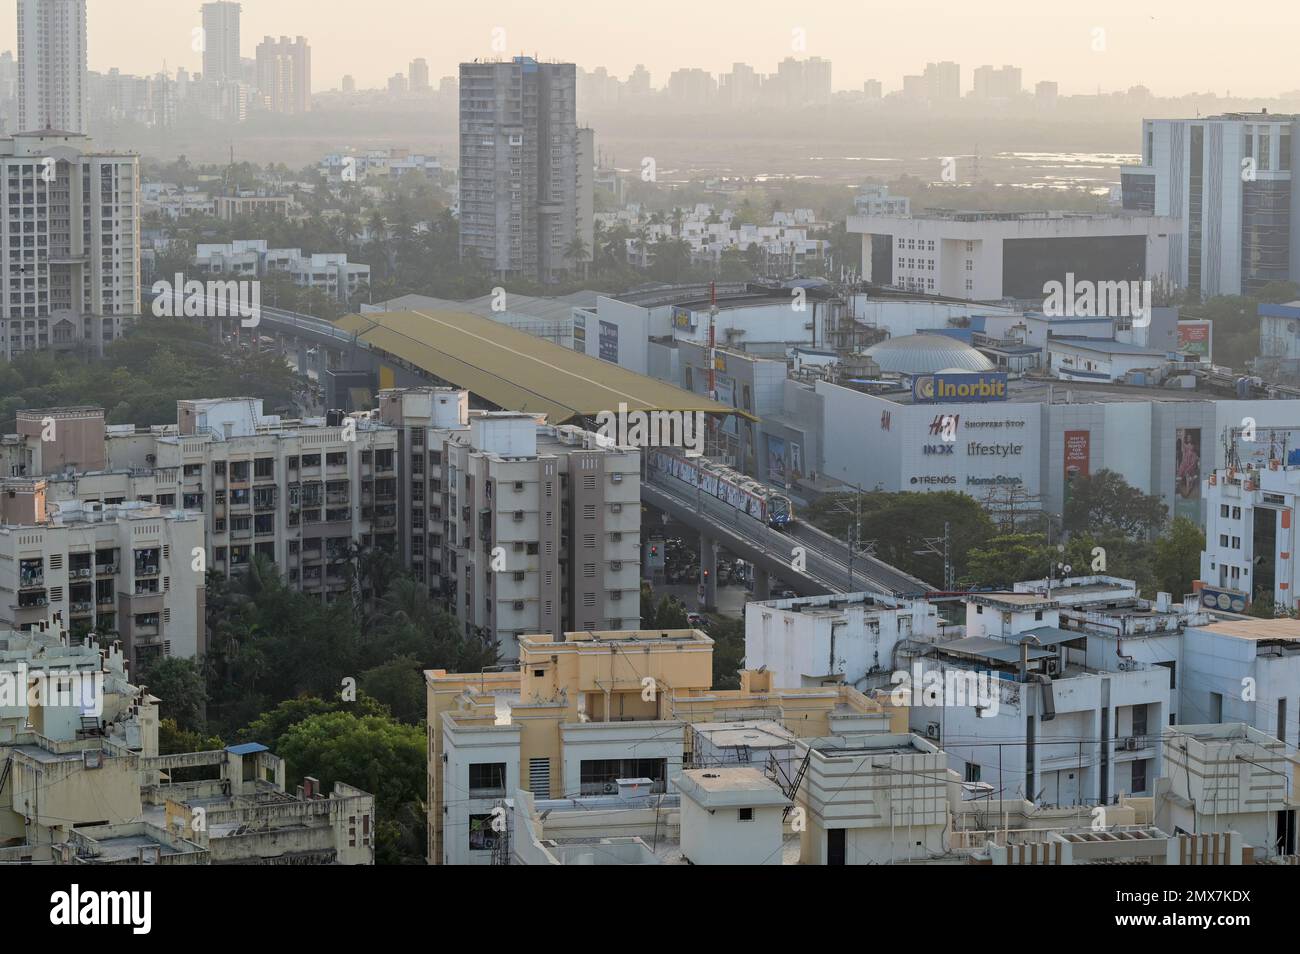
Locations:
(942, 547)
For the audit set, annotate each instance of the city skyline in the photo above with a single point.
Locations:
(1165, 54)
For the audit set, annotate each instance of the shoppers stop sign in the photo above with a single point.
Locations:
(971, 387)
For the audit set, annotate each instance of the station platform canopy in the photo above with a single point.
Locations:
(515, 370)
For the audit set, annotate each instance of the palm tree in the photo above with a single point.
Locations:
(576, 253)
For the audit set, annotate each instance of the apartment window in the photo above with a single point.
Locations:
(745, 814)
(482, 837)
(487, 780)
(972, 772)
(1138, 785)
(1223, 511)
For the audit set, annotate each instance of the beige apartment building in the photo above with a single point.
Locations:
(587, 712)
(300, 493)
(82, 781)
(124, 568)
(523, 527)
(520, 526)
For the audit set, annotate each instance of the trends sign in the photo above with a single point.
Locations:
(977, 387)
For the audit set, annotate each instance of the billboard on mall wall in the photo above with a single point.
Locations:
(1077, 458)
(776, 461)
(1196, 337)
(1187, 473)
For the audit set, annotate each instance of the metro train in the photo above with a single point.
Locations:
(731, 487)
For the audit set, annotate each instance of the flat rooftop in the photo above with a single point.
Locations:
(1256, 629)
(729, 788)
(762, 734)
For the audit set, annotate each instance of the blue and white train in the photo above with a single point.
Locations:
(731, 487)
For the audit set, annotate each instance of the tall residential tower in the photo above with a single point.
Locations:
(52, 65)
(519, 167)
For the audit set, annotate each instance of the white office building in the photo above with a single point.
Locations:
(1227, 181)
(997, 256)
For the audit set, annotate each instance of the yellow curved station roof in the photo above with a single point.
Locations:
(515, 370)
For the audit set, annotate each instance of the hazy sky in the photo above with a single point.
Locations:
(1172, 46)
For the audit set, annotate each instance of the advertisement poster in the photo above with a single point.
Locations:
(1187, 473)
(1078, 455)
(1196, 337)
(727, 395)
(609, 342)
(796, 461)
(580, 334)
(775, 461)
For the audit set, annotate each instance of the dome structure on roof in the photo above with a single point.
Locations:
(927, 354)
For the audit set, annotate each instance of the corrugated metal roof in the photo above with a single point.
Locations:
(246, 748)
(515, 370)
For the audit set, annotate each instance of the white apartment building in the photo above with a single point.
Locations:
(522, 526)
(69, 243)
(1059, 730)
(861, 791)
(52, 65)
(125, 568)
(811, 641)
(874, 200)
(1229, 778)
(1245, 670)
(1249, 531)
(329, 272)
(997, 256)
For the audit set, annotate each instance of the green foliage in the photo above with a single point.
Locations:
(900, 523)
(172, 739)
(398, 684)
(270, 726)
(1007, 559)
(670, 614)
(1177, 560)
(374, 753)
(728, 635)
(143, 375)
(1106, 502)
(179, 684)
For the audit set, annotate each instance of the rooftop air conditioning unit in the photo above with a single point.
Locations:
(932, 730)
(1131, 744)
